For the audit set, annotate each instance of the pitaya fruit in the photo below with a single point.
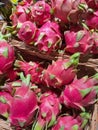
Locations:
(6, 56)
(5, 101)
(27, 32)
(61, 72)
(78, 41)
(23, 107)
(92, 20)
(32, 68)
(41, 12)
(48, 38)
(80, 93)
(20, 14)
(63, 9)
(68, 123)
(49, 109)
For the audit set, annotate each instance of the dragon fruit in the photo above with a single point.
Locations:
(80, 93)
(68, 123)
(32, 68)
(92, 20)
(27, 32)
(6, 56)
(41, 12)
(63, 9)
(78, 41)
(21, 14)
(48, 38)
(5, 101)
(24, 106)
(49, 109)
(61, 72)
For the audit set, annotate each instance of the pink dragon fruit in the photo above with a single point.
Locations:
(5, 101)
(32, 68)
(27, 32)
(80, 93)
(21, 14)
(6, 56)
(49, 109)
(23, 107)
(11, 86)
(78, 41)
(48, 38)
(68, 123)
(61, 72)
(64, 8)
(41, 12)
(92, 20)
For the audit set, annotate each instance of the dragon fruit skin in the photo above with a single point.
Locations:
(40, 12)
(27, 32)
(23, 107)
(94, 49)
(67, 123)
(78, 41)
(32, 68)
(92, 20)
(6, 56)
(29, 1)
(61, 72)
(21, 14)
(5, 101)
(80, 93)
(92, 3)
(64, 8)
(11, 74)
(49, 109)
(48, 38)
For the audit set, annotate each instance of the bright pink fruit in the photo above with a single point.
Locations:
(78, 41)
(61, 72)
(27, 32)
(80, 93)
(68, 123)
(64, 8)
(23, 107)
(32, 68)
(41, 12)
(49, 109)
(21, 14)
(6, 56)
(49, 37)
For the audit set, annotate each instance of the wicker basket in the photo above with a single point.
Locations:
(88, 64)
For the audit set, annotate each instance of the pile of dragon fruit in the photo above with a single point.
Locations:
(35, 95)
